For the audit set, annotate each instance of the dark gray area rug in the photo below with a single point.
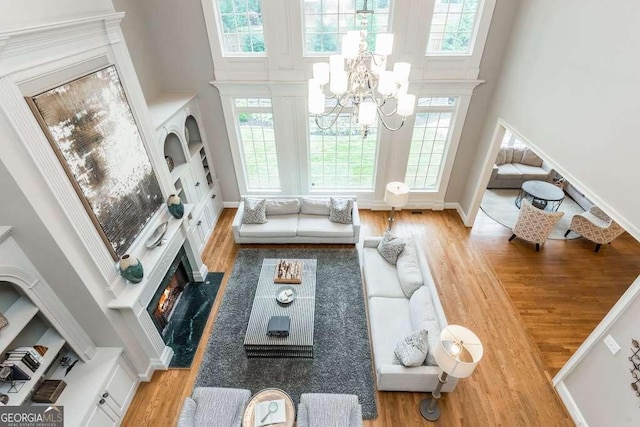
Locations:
(342, 357)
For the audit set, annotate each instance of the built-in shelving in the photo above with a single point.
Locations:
(19, 316)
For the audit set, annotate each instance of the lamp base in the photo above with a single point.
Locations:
(424, 410)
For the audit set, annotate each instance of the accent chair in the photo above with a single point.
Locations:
(595, 225)
(214, 407)
(534, 225)
(329, 410)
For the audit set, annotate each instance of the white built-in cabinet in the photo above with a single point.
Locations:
(179, 132)
(99, 387)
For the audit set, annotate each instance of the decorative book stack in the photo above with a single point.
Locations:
(23, 361)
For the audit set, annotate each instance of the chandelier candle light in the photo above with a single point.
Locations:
(366, 85)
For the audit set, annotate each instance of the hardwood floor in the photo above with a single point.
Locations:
(530, 309)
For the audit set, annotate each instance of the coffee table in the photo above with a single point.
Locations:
(301, 311)
(248, 420)
(543, 195)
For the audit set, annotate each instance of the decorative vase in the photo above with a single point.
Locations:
(175, 206)
(131, 268)
(170, 163)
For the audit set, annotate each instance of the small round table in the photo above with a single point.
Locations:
(248, 420)
(542, 195)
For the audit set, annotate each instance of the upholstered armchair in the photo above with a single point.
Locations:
(329, 410)
(214, 407)
(534, 225)
(595, 225)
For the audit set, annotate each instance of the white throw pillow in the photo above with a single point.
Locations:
(421, 309)
(315, 206)
(390, 247)
(340, 210)
(408, 268)
(283, 206)
(530, 158)
(412, 349)
(255, 211)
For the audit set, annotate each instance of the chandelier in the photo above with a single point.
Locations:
(366, 85)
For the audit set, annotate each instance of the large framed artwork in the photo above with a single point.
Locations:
(91, 128)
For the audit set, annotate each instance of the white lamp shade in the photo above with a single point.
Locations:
(406, 104)
(351, 44)
(384, 44)
(402, 71)
(386, 83)
(336, 63)
(316, 98)
(367, 113)
(396, 194)
(338, 84)
(458, 351)
(321, 73)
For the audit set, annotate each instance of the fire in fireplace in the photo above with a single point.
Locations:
(169, 292)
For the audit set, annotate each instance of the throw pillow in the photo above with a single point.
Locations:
(255, 211)
(315, 206)
(412, 349)
(501, 158)
(390, 247)
(283, 206)
(530, 158)
(518, 152)
(408, 269)
(340, 210)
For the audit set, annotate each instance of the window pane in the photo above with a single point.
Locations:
(241, 23)
(452, 26)
(326, 21)
(428, 144)
(258, 144)
(339, 158)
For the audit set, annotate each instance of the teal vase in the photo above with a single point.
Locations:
(175, 206)
(131, 268)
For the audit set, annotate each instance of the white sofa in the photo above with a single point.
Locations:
(306, 223)
(391, 318)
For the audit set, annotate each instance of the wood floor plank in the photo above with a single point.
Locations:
(531, 311)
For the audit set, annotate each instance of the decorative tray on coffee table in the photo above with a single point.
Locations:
(288, 271)
(285, 295)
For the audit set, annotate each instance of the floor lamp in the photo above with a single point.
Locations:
(457, 354)
(396, 195)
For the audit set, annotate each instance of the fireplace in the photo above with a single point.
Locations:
(168, 295)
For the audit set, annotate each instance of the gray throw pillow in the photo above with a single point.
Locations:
(340, 210)
(255, 211)
(390, 247)
(412, 349)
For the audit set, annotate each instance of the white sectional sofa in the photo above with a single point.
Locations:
(297, 219)
(392, 317)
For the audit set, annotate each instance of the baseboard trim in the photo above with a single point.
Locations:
(571, 405)
(461, 213)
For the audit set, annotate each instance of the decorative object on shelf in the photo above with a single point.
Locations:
(91, 128)
(457, 353)
(131, 268)
(3, 321)
(156, 238)
(396, 195)
(6, 375)
(175, 206)
(635, 369)
(49, 391)
(288, 271)
(4, 398)
(366, 86)
(41, 349)
(170, 163)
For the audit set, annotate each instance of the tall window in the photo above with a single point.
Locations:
(429, 142)
(339, 158)
(510, 140)
(258, 143)
(452, 27)
(241, 24)
(326, 21)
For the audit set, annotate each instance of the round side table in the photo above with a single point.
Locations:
(248, 420)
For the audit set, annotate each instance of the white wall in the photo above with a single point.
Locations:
(599, 383)
(25, 13)
(570, 85)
